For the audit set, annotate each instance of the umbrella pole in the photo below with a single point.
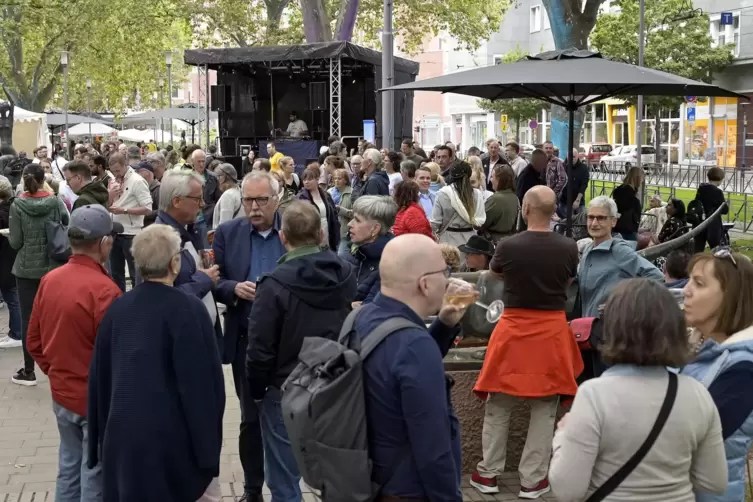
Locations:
(572, 105)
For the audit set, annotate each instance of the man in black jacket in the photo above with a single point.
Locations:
(534, 174)
(308, 294)
(377, 182)
(577, 182)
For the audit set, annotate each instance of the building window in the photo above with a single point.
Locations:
(547, 25)
(535, 18)
(497, 59)
(725, 34)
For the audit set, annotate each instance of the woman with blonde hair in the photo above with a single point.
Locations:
(437, 181)
(477, 179)
(627, 197)
(290, 179)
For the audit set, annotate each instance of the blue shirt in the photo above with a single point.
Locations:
(265, 252)
(427, 202)
(413, 432)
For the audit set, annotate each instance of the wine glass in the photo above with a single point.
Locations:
(456, 342)
(463, 294)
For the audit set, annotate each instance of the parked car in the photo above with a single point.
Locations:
(622, 159)
(592, 153)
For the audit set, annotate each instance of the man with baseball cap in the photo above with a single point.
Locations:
(70, 304)
(478, 253)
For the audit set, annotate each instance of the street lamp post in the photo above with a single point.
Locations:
(161, 101)
(89, 105)
(64, 64)
(169, 63)
(639, 111)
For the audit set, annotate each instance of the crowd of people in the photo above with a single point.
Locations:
(248, 268)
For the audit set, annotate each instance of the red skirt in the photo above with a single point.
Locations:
(531, 353)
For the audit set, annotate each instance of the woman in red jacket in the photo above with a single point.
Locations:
(411, 217)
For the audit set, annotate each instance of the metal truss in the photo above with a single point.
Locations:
(335, 86)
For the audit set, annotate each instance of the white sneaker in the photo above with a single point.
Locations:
(7, 342)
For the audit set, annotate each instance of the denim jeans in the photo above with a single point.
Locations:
(280, 468)
(76, 482)
(120, 256)
(343, 250)
(10, 296)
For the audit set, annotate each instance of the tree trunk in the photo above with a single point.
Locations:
(570, 29)
(346, 21)
(275, 9)
(315, 21)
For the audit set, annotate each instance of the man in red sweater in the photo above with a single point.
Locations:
(68, 308)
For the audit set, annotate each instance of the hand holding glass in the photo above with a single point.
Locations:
(462, 294)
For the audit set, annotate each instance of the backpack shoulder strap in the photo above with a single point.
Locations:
(382, 331)
(347, 326)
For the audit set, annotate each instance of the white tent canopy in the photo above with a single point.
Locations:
(134, 135)
(29, 130)
(96, 130)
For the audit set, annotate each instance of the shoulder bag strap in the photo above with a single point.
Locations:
(618, 477)
(347, 327)
(381, 332)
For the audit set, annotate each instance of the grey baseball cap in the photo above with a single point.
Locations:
(91, 222)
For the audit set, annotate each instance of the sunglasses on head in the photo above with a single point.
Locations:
(724, 253)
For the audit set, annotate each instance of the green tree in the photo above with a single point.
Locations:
(676, 42)
(250, 22)
(109, 42)
(518, 109)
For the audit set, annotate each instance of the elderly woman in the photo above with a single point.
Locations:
(503, 206)
(156, 390)
(7, 280)
(654, 219)
(229, 205)
(29, 215)
(313, 193)
(611, 416)
(607, 260)
(342, 196)
(629, 204)
(373, 216)
(719, 306)
(459, 209)
(285, 196)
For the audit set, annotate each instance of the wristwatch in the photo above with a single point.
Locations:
(125, 211)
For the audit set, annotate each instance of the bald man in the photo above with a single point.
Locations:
(408, 401)
(211, 193)
(538, 266)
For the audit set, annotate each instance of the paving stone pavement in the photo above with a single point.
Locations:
(29, 442)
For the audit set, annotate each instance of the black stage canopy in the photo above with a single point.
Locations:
(258, 87)
(323, 50)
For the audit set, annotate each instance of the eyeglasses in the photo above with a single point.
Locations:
(198, 199)
(447, 271)
(724, 253)
(597, 217)
(260, 201)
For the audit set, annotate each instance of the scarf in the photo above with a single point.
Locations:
(336, 195)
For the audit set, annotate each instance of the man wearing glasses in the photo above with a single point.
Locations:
(245, 249)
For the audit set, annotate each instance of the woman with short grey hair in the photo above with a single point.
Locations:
(607, 260)
(165, 364)
(229, 206)
(373, 217)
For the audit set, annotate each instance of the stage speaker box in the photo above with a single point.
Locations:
(220, 98)
(318, 96)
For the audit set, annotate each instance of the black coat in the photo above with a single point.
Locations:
(308, 295)
(212, 194)
(578, 181)
(156, 397)
(7, 253)
(629, 208)
(528, 179)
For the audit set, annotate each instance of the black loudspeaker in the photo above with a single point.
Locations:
(318, 96)
(220, 98)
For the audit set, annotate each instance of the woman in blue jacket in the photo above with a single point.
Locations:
(608, 260)
(719, 305)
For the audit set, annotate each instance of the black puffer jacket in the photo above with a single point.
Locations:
(7, 253)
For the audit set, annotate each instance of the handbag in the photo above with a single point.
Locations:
(58, 247)
(582, 329)
(623, 472)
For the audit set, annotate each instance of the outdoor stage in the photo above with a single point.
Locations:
(332, 87)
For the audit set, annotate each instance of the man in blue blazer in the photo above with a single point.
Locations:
(245, 249)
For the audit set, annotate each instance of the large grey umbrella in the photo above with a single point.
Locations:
(569, 78)
(187, 114)
(58, 119)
